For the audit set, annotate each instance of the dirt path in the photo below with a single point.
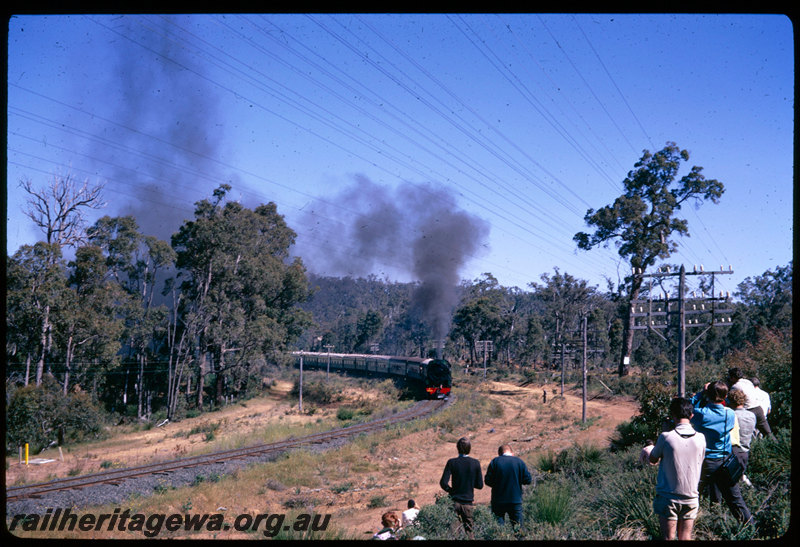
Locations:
(412, 466)
(167, 442)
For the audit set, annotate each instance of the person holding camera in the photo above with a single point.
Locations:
(715, 421)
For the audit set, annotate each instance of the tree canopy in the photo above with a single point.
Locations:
(643, 221)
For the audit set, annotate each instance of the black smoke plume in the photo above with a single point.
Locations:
(167, 129)
(415, 231)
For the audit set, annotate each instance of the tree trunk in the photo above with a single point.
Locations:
(201, 374)
(219, 380)
(140, 384)
(43, 342)
(628, 331)
(68, 364)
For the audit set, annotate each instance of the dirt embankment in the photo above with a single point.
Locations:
(413, 465)
(402, 468)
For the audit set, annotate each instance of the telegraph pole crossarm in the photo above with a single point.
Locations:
(704, 306)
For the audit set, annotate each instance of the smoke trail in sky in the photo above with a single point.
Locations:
(163, 151)
(414, 230)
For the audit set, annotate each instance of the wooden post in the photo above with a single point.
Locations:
(301, 382)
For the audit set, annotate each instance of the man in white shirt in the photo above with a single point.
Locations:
(762, 396)
(736, 380)
(409, 515)
(679, 453)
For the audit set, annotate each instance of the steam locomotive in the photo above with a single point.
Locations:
(433, 375)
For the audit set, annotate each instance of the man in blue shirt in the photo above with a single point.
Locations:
(715, 422)
(466, 476)
(506, 474)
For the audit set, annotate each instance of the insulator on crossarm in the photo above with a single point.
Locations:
(695, 268)
(701, 267)
(730, 268)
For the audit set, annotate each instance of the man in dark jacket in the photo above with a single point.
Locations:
(466, 476)
(506, 474)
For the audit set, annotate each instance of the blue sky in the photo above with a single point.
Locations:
(524, 120)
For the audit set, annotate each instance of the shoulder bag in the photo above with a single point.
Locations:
(731, 469)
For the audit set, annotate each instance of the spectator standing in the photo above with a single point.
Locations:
(506, 474)
(736, 380)
(747, 426)
(408, 516)
(715, 422)
(763, 399)
(680, 453)
(465, 473)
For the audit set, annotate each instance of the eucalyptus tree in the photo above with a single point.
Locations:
(642, 222)
(136, 261)
(766, 303)
(35, 283)
(90, 326)
(241, 288)
(484, 314)
(564, 300)
(59, 211)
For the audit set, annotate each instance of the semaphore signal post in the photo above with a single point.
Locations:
(703, 311)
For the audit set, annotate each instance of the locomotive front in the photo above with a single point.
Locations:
(437, 378)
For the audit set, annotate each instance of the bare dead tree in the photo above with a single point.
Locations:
(59, 209)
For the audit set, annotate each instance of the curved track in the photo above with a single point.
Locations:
(418, 410)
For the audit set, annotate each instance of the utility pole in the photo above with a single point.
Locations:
(486, 347)
(585, 349)
(301, 382)
(569, 345)
(713, 311)
(328, 370)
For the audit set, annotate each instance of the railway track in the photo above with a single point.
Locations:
(117, 476)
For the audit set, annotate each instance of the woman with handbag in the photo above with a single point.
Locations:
(721, 469)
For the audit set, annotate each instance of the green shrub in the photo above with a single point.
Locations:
(654, 398)
(438, 520)
(626, 499)
(39, 415)
(716, 522)
(345, 413)
(317, 391)
(550, 502)
(377, 501)
(583, 460)
(771, 459)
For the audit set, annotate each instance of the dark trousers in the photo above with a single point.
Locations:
(742, 455)
(465, 514)
(514, 511)
(761, 421)
(718, 490)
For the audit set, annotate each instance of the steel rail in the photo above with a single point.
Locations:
(117, 476)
